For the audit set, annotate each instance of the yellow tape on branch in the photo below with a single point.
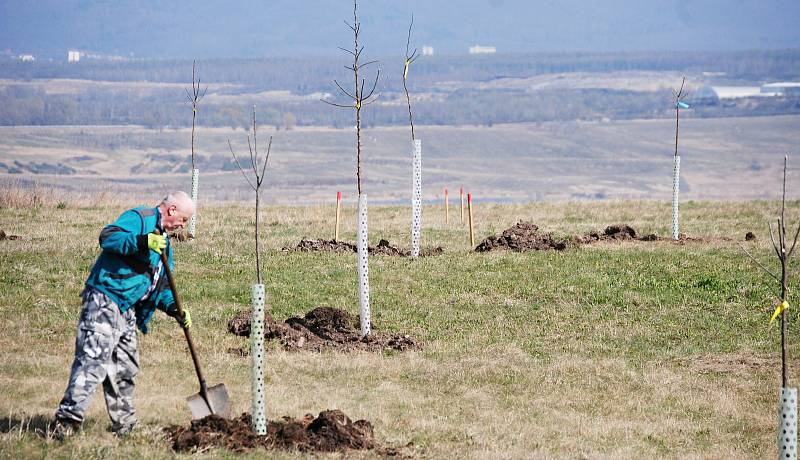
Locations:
(778, 310)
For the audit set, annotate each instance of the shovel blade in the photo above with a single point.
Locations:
(218, 403)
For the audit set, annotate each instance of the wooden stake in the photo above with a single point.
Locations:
(338, 212)
(446, 207)
(471, 231)
(461, 197)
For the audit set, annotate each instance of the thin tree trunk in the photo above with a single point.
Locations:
(410, 116)
(358, 96)
(677, 115)
(784, 280)
(258, 247)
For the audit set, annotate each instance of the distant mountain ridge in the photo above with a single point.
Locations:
(252, 28)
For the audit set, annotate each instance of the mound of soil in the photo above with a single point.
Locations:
(331, 431)
(6, 236)
(616, 232)
(524, 236)
(384, 248)
(306, 245)
(323, 328)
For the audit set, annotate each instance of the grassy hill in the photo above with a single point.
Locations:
(612, 350)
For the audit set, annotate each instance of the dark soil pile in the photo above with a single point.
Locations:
(616, 232)
(524, 236)
(331, 431)
(323, 328)
(306, 245)
(6, 236)
(384, 248)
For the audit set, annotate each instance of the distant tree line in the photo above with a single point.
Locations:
(22, 105)
(304, 75)
(26, 105)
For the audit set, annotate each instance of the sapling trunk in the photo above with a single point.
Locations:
(676, 179)
(358, 99)
(416, 169)
(194, 98)
(257, 290)
(787, 405)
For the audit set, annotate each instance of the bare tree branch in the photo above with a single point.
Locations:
(252, 156)
(338, 105)
(371, 100)
(407, 63)
(266, 160)
(772, 237)
(255, 141)
(794, 243)
(240, 166)
(343, 90)
(374, 85)
(762, 266)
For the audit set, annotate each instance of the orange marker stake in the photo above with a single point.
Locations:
(461, 197)
(471, 232)
(446, 208)
(338, 212)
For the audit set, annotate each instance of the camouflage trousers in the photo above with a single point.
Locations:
(105, 352)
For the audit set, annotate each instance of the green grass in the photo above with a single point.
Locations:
(616, 350)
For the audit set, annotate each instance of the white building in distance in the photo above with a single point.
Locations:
(427, 50)
(73, 56)
(27, 57)
(784, 88)
(477, 49)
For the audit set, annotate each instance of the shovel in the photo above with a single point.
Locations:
(208, 401)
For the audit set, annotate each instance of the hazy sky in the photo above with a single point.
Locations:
(251, 28)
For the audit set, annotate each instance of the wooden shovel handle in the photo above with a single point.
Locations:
(165, 263)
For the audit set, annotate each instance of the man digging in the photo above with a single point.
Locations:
(126, 285)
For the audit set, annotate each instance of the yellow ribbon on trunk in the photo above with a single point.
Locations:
(778, 310)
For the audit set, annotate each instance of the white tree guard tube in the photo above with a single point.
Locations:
(363, 266)
(676, 182)
(787, 424)
(416, 199)
(193, 220)
(259, 416)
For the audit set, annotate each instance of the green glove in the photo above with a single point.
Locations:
(156, 242)
(186, 322)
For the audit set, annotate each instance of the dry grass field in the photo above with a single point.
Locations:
(722, 159)
(613, 350)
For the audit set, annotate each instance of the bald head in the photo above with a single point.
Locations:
(176, 210)
(181, 200)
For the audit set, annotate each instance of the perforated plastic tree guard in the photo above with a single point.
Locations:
(787, 424)
(257, 354)
(363, 266)
(416, 199)
(676, 182)
(193, 220)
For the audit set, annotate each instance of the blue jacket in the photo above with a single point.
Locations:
(125, 269)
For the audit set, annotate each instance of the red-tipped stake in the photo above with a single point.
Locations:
(471, 231)
(461, 197)
(446, 207)
(338, 212)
